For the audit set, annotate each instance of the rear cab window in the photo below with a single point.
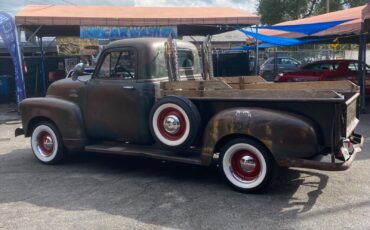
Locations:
(185, 59)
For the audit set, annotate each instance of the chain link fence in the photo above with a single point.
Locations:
(307, 56)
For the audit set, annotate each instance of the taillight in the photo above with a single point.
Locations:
(279, 76)
(346, 149)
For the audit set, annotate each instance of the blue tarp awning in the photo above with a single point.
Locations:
(279, 41)
(308, 29)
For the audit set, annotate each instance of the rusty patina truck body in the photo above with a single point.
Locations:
(243, 124)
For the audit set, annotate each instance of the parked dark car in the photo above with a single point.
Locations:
(273, 66)
(328, 70)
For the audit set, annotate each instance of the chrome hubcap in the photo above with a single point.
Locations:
(48, 143)
(247, 163)
(171, 124)
(45, 144)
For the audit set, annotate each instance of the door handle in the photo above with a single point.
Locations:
(128, 87)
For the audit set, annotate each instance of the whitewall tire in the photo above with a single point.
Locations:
(247, 165)
(174, 122)
(46, 143)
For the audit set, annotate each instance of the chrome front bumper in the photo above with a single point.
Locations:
(18, 131)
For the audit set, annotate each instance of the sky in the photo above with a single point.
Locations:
(13, 6)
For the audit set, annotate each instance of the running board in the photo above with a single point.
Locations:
(189, 157)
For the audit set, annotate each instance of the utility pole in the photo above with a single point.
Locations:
(327, 6)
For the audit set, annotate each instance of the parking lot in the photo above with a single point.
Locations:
(93, 191)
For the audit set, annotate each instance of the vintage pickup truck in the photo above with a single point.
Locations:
(245, 126)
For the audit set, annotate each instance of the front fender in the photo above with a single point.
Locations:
(66, 116)
(286, 135)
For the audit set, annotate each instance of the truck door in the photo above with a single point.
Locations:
(112, 101)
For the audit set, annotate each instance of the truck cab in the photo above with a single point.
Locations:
(117, 97)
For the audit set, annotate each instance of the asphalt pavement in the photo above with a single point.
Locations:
(94, 191)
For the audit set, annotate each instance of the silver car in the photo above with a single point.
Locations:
(271, 67)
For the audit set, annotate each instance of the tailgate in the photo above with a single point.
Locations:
(350, 113)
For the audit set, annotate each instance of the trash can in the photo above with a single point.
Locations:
(5, 91)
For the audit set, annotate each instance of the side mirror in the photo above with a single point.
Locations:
(78, 70)
(75, 75)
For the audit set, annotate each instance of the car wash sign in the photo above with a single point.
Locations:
(105, 32)
(8, 33)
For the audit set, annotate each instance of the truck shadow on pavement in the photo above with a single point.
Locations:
(152, 192)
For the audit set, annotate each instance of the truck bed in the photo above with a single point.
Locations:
(326, 103)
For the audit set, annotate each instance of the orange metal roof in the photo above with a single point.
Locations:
(131, 16)
(353, 26)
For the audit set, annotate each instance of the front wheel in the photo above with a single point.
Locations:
(47, 144)
(247, 165)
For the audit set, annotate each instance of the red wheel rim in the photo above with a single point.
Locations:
(162, 116)
(45, 143)
(239, 171)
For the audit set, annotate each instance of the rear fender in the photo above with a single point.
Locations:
(64, 114)
(285, 135)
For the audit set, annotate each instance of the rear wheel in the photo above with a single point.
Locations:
(247, 165)
(268, 76)
(47, 144)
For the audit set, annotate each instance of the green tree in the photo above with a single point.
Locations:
(334, 5)
(271, 11)
(354, 3)
(275, 11)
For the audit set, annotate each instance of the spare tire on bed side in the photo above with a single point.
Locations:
(174, 122)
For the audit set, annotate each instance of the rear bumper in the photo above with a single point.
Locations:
(357, 141)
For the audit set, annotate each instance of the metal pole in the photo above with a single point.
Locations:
(363, 76)
(327, 6)
(361, 66)
(43, 78)
(21, 58)
(256, 58)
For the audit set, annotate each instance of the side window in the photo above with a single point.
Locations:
(314, 67)
(287, 61)
(352, 66)
(308, 67)
(119, 64)
(368, 69)
(327, 66)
